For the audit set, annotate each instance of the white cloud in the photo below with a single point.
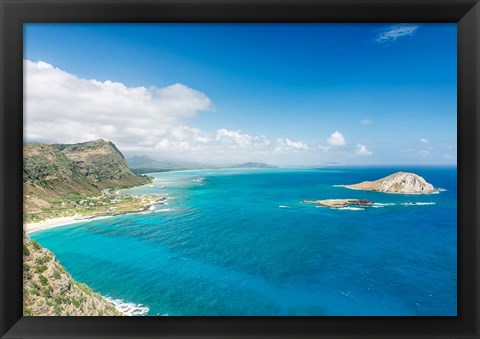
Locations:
(424, 153)
(336, 139)
(362, 150)
(324, 149)
(395, 32)
(63, 108)
(234, 137)
(60, 107)
(225, 139)
(287, 145)
(449, 156)
(425, 141)
(366, 122)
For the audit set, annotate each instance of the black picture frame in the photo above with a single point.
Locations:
(14, 13)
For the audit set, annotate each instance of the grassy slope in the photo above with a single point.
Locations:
(57, 178)
(61, 180)
(50, 291)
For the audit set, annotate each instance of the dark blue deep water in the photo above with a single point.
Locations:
(240, 242)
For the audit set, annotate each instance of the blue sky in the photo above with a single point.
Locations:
(290, 94)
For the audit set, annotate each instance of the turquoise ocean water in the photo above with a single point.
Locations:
(240, 242)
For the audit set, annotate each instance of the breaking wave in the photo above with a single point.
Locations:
(199, 180)
(381, 205)
(418, 203)
(438, 190)
(127, 308)
(165, 210)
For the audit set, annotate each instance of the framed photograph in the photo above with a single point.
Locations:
(240, 169)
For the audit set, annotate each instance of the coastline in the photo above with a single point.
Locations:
(65, 221)
(124, 307)
(60, 221)
(132, 299)
(129, 309)
(68, 220)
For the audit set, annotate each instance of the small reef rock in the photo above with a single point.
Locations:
(340, 203)
(400, 182)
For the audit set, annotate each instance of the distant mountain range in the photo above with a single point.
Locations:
(253, 165)
(145, 164)
(327, 164)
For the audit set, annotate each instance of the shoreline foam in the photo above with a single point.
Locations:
(128, 308)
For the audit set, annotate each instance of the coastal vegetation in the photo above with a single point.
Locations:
(49, 290)
(78, 179)
(89, 206)
(72, 180)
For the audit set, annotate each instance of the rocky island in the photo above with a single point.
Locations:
(340, 203)
(400, 182)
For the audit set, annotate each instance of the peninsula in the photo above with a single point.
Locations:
(63, 183)
(400, 182)
(77, 181)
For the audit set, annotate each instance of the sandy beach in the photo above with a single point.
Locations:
(57, 222)
(147, 207)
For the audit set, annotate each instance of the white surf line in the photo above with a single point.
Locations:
(128, 308)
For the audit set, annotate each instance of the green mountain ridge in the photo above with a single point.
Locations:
(66, 179)
(59, 170)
